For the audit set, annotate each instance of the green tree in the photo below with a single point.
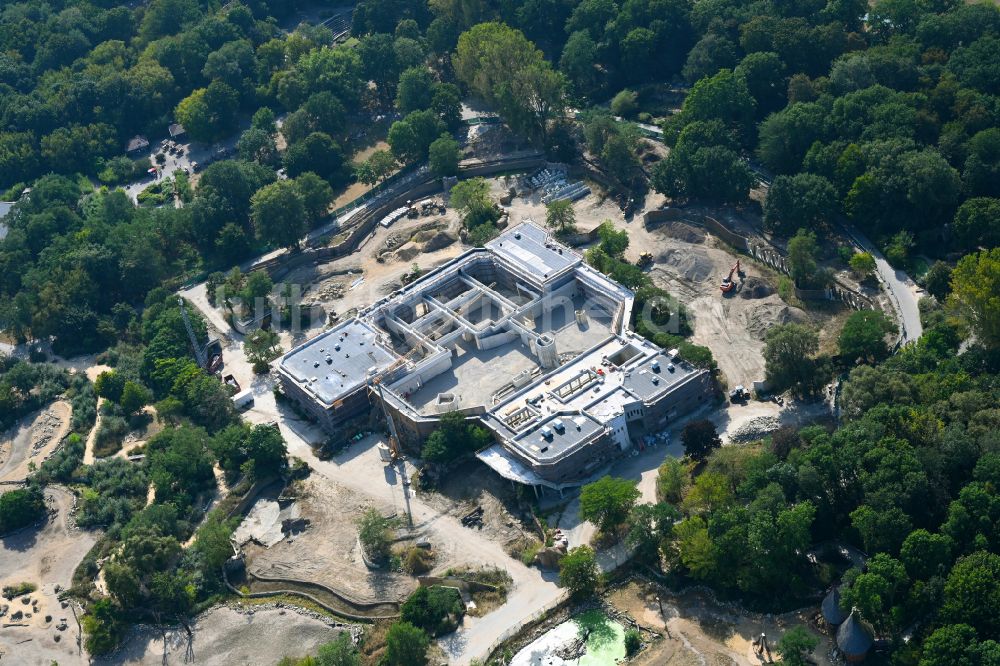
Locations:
(134, 397)
(453, 439)
(317, 153)
(607, 502)
(209, 113)
(471, 198)
(862, 265)
(972, 593)
(795, 646)
(374, 531)
(21, 507)
(925, 554)
(411, 138)
(405, 645)
(102, 626)
(444, 155)
(937, 280)
(700, 439)
(278, 214)
(975, 224)
(376, 168)
(415, 90)
(788, 357)
(435, 609)
(802, 251)
(578, 571)
(695, 548)
(802, 201)
(559, 215)
(883, 530)
(212, 541)
(975, 284)
(952, 645)
(316, 195)
(498, 63)
(672, 480)
(878, 591)
(578, 63)
(650, 527)
(256, 145)
(261, 346)
(863, 336)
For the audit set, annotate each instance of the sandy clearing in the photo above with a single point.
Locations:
(46, 557)
(700, 630)
(225, 636)
(34, 441)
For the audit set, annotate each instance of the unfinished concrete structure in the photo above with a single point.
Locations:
(521, 335)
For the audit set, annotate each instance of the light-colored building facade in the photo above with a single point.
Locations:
(521, 335)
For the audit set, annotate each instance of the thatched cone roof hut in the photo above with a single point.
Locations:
(832, 612)
(855, 637)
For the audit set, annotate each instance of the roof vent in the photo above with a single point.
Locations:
(329, 359)
(517, 236)
(655, 367)
(546, 432)
(559, 426)
(656, 381)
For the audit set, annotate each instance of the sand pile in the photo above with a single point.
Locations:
(763, 316)
(694, 266)
(756, 287)
(683, 232)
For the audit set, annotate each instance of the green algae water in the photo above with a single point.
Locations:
(605, 643)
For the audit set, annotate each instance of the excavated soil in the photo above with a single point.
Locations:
(33, 441)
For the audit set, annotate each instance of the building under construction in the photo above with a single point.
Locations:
(521, 335)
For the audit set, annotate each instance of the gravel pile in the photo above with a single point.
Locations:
(754, 429)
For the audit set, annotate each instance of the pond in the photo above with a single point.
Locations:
(589, 639)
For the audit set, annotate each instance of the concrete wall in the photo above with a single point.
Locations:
(497, 340)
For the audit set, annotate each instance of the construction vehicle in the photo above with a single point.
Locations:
(645, 259)
(739, 394)
(728, 285)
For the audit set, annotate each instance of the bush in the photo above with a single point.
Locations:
(437, 610)
(417, 561)
(625, 103)
(633, 642)
(20, 589)
(578, 571)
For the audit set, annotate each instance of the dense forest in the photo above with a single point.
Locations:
(886, 116)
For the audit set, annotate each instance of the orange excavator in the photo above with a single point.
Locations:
(728, 284)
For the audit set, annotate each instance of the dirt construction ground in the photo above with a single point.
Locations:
(690, 263)
(225, 636)
(44, 556)
(701, 631)
(327, 551)
(33, 441)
